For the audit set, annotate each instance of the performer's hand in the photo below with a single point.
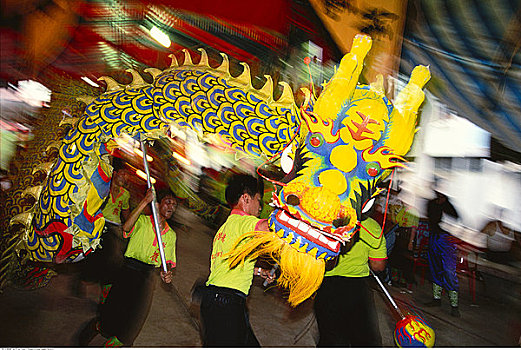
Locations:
(265, 274)
(166, 276)
(149, 196)
(410, 247)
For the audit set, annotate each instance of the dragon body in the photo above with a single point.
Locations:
(334, 150)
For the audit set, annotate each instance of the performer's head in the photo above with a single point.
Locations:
(120, 172)
(244, 192)
(167, 202)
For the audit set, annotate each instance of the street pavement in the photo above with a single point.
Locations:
(53, 315)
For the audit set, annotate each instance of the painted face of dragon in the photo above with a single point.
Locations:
(352, 136)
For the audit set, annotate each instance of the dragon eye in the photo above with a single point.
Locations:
(373, 169)
(286, 162)
(316, 139)
(368, 205)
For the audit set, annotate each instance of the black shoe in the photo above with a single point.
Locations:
(454, 311)
(433, 302)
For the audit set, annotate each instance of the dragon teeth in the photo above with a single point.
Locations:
(333, 245)
(314, 233)
(309, 230)
(283, 216)
(323, 239)
(303, 227)
(293, 222)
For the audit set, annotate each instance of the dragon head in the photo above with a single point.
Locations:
(350, 139)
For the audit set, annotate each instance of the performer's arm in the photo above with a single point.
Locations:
(410, 246)
(262, 225)
(377, 264)
(127, 226)
(449, 209)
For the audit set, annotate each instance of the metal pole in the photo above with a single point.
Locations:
(388, 295)
(154, 201)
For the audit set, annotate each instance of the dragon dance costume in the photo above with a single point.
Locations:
(336, 149)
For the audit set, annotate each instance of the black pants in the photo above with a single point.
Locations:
(225, 319)
(104, 263)
(345, 313)
(128, 303)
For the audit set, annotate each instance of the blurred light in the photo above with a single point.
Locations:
(90, 82)
(160, 37)
(142, 175)
(140, 153)
(180, 158)
(33, 93)
(126, 143)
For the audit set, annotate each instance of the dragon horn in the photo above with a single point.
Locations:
(342, 86)
(403, 118)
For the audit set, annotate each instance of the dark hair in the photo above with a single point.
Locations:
(164, 192)
(240, 184)
(118, 164)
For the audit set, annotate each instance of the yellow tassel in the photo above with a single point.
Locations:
(301, 273)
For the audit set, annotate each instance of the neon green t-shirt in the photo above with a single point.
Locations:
(354, 263)
(407, 217)
(240, 277)
(114, 206)
(143, 242)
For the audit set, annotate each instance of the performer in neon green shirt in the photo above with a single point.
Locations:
(223, 306)
(125, 311)
(344, 305)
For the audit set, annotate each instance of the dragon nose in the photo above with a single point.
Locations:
(292, 199)
(321, 203)
(343, 221)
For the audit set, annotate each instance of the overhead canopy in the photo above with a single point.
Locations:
(473, 50)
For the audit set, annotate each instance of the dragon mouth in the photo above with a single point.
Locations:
(312, 234)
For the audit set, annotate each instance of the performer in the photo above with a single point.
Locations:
(223, 306)
(442, 253)
(344, 305)
(125, 311)
(103, 264)
(116, 211)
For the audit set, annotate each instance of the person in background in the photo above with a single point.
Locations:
(223, 306)
(128, 302)
(344, 304)
(442, 252)
(499, 238)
